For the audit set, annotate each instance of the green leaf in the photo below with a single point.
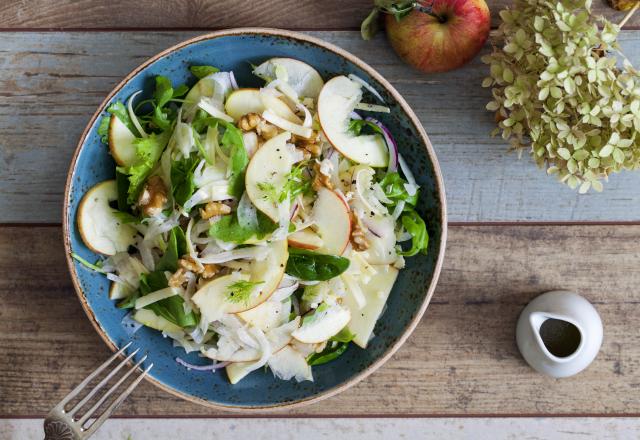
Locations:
(122, 184)
(370, 25)
(163, 92)
(176, 247)
(103, 129)
(120, 111)
(415, 226)
(148, 151)
(202, 71)
(182, 185)
(232, 139)
(344, 335)
(229, 230)
(332, 352)
(172, 308)
(357, 125)
(393, 186)
(311, 266)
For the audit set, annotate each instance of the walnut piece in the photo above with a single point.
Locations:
(212, 209)
(249, 121)
(209, 271)
(153, 196)
(320, 179)
(188, 263)
(358, 240)
(178, 278)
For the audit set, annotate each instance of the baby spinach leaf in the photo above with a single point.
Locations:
(182, 185)
(176, 247)
(415, 226)
(202, 71)
(171, 308)
(229, 230)
(332, 352)
(238, 158)
(311, 266)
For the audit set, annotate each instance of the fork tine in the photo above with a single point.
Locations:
(93, 409)
(105, 415)
(95, 389)
(84, 383)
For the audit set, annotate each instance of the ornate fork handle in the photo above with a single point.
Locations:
(58, 430)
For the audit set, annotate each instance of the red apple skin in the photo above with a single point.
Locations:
(427, 44)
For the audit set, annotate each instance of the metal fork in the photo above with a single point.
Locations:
(62, 424)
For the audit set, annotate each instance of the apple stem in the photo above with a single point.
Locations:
(429, 11)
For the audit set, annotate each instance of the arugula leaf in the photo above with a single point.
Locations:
(393, 186)
(85, 263)
(415, 226)
(148, 151)
(163, 92)
(182, 186)
(229, 230)
(357, 125)
(172, 308)
(176, 247)
(120, 111)
(103, 129)
(332, 352)
(297, 182)
(202, 71)
(203, 152)
(311, 266)
(240, 291)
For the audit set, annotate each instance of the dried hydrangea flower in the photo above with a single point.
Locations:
(559, 91)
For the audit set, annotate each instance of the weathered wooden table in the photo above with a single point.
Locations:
(514, 232)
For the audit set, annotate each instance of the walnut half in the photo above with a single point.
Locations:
(153, 196)
(358, 239)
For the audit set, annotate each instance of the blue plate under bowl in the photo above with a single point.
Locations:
(236, 50)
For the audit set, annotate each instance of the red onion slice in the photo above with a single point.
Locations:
(211, 367)
(391, 145)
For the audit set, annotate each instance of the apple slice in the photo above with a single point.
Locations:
(119, 291)
(244, 101)
(337, 100)
(303, 79)
(289, 364)
(331, 216)
(213, 297)
(150, 319)
(99, 227)
(323, 323)
(267, 174)
(376, 292)
(305, 239)
(121, 144)
(216, 86)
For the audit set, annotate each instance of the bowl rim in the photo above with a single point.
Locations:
(439, 184)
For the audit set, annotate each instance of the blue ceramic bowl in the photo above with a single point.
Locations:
(235, 50)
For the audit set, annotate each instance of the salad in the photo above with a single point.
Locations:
(256, 227)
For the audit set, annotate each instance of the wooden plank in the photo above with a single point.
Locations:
(358, 429)
(209, 14)
(461, 360)
(51, 84)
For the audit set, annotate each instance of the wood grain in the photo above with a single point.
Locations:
(462, 359)
(51, 83)
(209, 14)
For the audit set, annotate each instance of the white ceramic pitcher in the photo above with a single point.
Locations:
(559, 333)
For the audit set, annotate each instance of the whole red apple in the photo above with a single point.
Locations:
(442, 35)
